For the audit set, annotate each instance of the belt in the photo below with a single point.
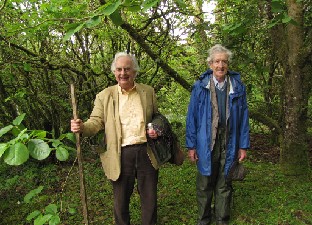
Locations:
(134, 145)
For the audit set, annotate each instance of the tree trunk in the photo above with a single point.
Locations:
(202, 40)
(294, 158)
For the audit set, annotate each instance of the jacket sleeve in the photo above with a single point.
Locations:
(244, 142)
(96, 121)
(191, 120)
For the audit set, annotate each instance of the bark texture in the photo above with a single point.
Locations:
(294, 158)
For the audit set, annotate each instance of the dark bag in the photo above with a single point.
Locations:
(178, 156)
(166, 147)
(160, 149)
(237, 172)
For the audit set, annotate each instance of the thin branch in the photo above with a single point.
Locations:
(170, 71)
(51, 66)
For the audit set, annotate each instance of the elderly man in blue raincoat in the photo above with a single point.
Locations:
(217, 133)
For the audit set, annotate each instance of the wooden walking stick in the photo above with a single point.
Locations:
(79, 156)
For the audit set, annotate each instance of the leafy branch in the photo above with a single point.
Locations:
(26, 143)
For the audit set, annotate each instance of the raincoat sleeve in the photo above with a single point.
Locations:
(191, 120)
(244, 142)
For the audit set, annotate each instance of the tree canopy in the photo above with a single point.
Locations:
(47, 44)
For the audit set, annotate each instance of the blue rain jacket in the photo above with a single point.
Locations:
(199, 121)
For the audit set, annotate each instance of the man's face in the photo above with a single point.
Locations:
(219, 65)
(124, 73)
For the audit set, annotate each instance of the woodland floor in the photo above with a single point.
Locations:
(263, 150)
(272, 199)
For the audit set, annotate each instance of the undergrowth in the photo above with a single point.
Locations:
(265, 197)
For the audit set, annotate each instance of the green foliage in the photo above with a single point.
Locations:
(16, 155)
(74, 28)
(9, 183)
(147, 4)
(111, 9)
(50, 213)
(37, 65)
(38, 149)
(15, 152)
(46, 44)
(26, 143)
(265, 197)
(32, 194)
(280, 9)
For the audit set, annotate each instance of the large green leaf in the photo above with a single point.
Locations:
(116, 18)
(5, 130)
(51, 209)
(38, 149)
(3, 147)
(73, 30)
(55, 220)
(32, 194)
(16, 155)
(56, 143)
(278, 6)
(42, 219)
(235, 28)
(22, 135)
(109, 8)
(62, 154)
(39, 133)
(33, 215)
(94, 21)
(19, 119)
(71, 137)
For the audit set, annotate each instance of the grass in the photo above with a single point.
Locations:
(265, 197)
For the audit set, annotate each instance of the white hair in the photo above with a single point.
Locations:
(218, 49)
(135, 64)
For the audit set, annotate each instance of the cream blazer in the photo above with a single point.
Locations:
(105, 117)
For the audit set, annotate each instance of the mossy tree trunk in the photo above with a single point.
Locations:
(294, 158)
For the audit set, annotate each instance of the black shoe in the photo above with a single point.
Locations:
(222, 222)
(206, 222)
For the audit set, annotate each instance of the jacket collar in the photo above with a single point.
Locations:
(205, 80)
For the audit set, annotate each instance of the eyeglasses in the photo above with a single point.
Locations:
(119, 69)
(223, 62)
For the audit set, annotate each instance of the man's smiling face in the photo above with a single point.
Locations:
(124, 72)
(219, 65)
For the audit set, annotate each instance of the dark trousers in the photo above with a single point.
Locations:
(135, 163)
(215, 186)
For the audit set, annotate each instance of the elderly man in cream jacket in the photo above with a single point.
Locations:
(122, 112)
